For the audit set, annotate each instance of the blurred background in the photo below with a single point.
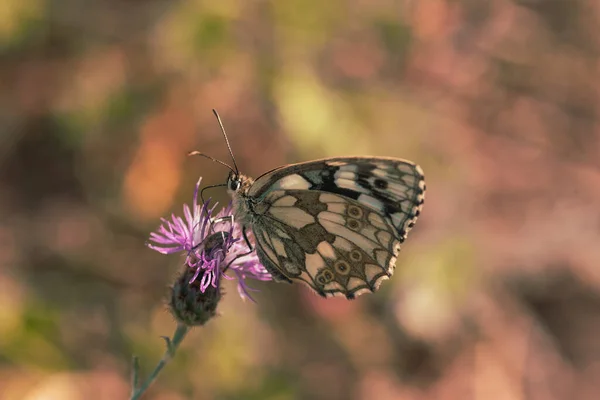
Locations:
(497, 290)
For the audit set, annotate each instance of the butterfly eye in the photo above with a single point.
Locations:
(233, 184)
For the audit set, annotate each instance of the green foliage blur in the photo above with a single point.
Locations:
(496, 293)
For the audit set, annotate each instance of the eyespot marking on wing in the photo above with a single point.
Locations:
(342, 267)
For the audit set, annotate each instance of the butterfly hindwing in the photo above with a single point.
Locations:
(335, 245)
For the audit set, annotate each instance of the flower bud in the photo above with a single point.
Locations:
(190, 305)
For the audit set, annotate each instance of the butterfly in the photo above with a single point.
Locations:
(335, 224)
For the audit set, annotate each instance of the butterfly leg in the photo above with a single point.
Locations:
(251, 249)
(229, 218)
(247, 241)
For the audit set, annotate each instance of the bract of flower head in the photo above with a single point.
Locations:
(212, 243)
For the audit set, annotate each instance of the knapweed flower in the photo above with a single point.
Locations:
(212, 244)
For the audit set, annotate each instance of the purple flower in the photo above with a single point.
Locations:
(214, 246)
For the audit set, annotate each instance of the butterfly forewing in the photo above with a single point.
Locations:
(393, 187)
(335, 224)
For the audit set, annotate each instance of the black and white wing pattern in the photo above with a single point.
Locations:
(335, 224)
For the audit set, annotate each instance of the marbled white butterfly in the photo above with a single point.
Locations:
(335, 224)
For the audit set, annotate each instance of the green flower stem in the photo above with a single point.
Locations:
(172, 345)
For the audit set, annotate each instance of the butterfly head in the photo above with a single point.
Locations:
(238, 183)
(238, 186)
(234, 182)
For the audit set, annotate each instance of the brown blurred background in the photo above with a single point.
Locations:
(497, 291)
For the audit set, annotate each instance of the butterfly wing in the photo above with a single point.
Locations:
(336, 224)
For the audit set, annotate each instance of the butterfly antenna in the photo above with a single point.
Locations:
(237, 171)
(197, 153)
